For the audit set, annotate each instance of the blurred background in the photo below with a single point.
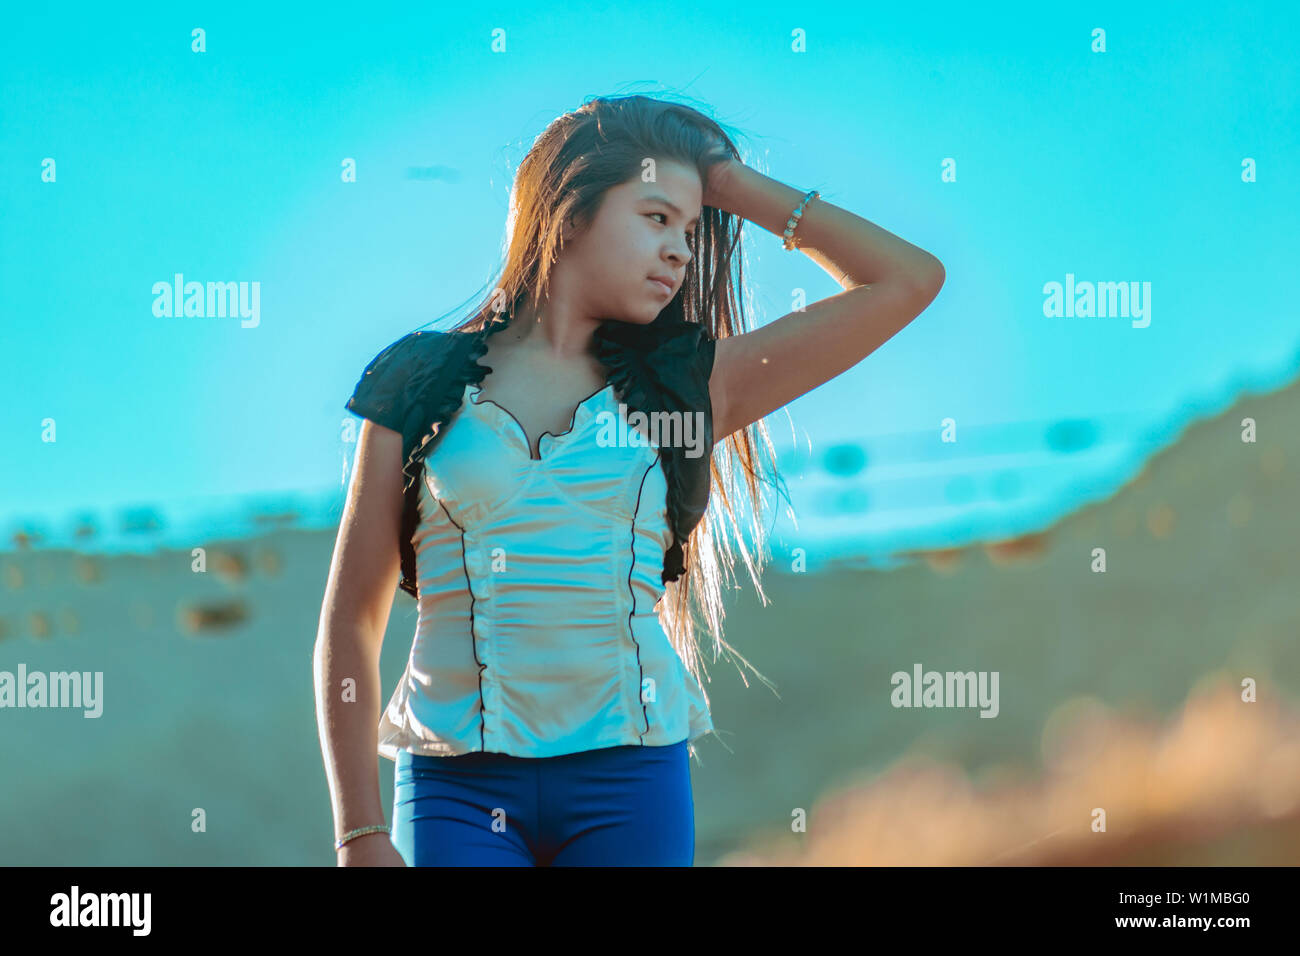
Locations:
(1090, 503)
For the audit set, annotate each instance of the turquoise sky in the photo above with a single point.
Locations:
(1122, 166)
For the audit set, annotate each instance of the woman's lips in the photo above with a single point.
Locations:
(667, 289)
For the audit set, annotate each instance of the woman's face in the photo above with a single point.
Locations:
(637, 233)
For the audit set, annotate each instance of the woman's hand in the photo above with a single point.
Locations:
(720, 171)
(373, 849)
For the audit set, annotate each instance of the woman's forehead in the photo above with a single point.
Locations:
(680, 191)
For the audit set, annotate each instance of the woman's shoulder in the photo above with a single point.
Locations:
(383, 392)
(411, 347)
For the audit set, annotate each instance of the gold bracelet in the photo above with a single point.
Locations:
(362, 831)
(788, 238)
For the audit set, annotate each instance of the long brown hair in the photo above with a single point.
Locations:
(566, 173)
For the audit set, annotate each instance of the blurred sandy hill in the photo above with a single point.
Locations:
(1218, 785)
(1200, 579)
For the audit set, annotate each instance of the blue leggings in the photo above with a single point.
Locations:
(616, 806)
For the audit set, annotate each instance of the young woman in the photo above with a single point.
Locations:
(549, 509)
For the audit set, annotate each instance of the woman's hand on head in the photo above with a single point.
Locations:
(720, 168)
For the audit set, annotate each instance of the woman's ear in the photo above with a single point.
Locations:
(573, 224)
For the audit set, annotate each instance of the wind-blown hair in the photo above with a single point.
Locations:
(566, 173)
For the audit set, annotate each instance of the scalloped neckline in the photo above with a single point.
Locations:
(473, 391)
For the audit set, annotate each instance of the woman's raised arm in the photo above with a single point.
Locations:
(887, 281)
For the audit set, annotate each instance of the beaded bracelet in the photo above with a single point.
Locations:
(353, 834)
(788, 238)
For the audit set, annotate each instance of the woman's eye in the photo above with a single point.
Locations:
(690, 236)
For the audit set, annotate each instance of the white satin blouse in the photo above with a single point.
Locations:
(537, 634)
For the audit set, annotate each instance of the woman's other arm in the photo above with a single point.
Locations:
(887, 282)
(359, 594)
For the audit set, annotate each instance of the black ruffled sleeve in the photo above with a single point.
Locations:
(666, 365)
(411, 386)
(381, 390)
